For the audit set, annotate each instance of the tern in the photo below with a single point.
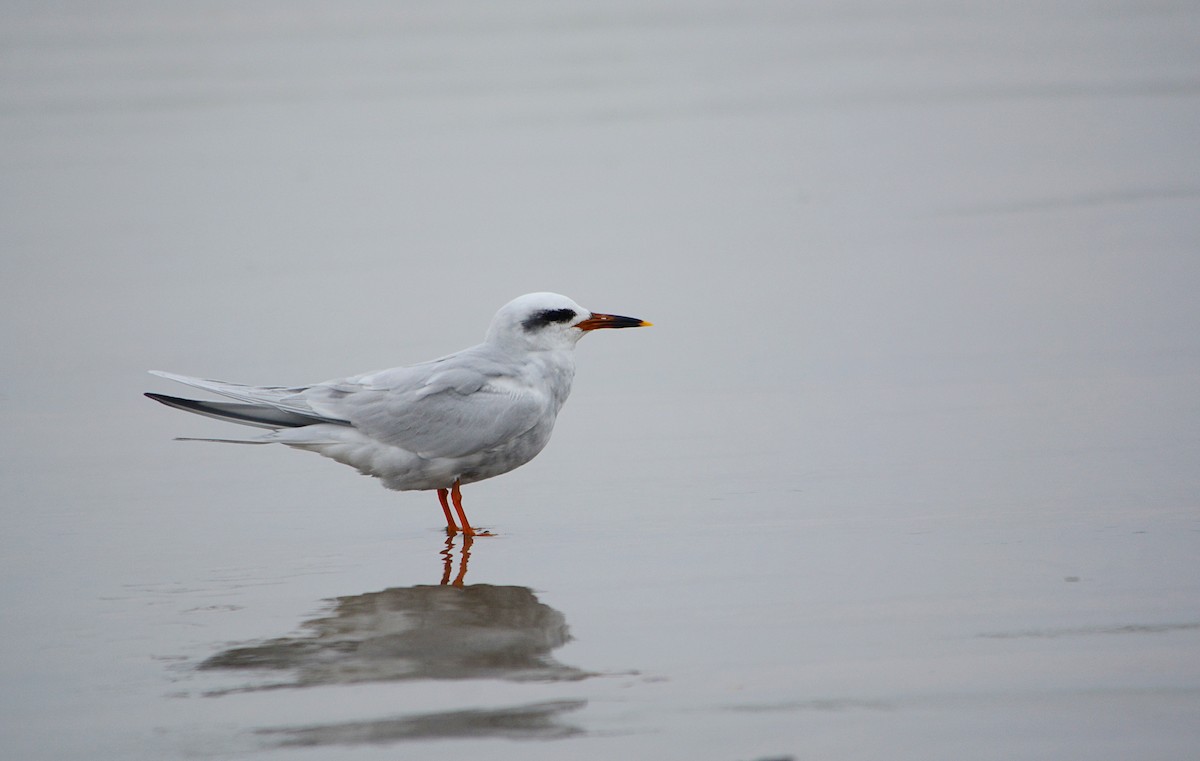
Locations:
(465, 417)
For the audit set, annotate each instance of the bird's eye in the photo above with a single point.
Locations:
(547, 316)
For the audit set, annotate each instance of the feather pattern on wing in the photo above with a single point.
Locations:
(427, 408)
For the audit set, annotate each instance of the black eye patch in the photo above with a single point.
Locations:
(547, 316)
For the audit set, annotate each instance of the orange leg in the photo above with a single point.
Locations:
(450, 527)
(456, 495)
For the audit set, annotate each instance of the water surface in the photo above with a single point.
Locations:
(907, 467)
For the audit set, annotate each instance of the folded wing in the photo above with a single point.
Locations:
(443, 408)
(435, 410)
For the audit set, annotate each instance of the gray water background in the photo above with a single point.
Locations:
(908, 467)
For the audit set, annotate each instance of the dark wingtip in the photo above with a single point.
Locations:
(190, 405)
(164, 399)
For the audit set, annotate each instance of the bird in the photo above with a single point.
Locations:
(434, 426)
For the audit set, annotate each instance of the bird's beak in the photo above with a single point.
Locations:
(611, 321)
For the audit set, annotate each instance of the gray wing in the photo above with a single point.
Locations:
(452, 407)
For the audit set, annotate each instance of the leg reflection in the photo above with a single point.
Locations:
(447, 554)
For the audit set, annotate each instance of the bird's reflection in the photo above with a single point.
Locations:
(451, 630)
(537, 721)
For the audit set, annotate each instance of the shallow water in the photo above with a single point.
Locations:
(907, 468)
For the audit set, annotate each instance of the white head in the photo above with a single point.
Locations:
(548, 321)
